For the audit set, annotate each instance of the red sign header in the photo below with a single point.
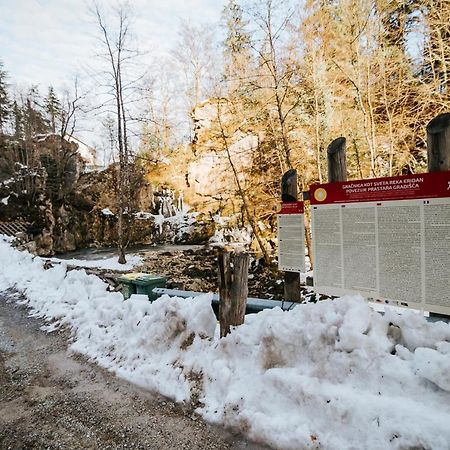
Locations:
(292, 208)
(407, 187)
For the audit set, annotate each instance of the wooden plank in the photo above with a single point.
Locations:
(438, 143)
(289, 193)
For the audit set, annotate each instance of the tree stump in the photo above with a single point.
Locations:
(233, 289)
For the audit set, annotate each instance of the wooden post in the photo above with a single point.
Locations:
(239, 288)
(438, 143)
(233, 289)
(289, 194)
(337, 160)
(438, 149)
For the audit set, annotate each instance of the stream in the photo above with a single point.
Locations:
(92, 254)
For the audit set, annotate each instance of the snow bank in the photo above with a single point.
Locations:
(332, 375)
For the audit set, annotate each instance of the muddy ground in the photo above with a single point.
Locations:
(196, 270)
(50, 399)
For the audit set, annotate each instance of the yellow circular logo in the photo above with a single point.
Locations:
(320, 194)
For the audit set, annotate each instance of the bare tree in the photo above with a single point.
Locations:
(225, 140)
(276, 74)
(115, 42)
(195, 59)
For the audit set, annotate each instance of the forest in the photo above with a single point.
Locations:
(236, 104)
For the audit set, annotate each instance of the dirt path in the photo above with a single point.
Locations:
(50, 399)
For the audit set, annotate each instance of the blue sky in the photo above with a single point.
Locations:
(49, 41)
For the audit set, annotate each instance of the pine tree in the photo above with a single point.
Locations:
(237, 41)
(437, 47)
(18, 121)
(33, 118)
(5, 105)
(52, 108)
(398, 19)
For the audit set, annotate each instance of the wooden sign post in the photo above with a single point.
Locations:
(337, 160)
(438, 143)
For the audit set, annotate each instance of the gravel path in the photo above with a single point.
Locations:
(50, 399)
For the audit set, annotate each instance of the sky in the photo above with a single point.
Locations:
(50, 41)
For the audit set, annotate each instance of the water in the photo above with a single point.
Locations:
(92, 254)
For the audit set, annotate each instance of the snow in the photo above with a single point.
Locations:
(231, 237)
(5, 200)
(332, 375)
(143, 215)
(159, 221)
(107, 212)
(181, 222)
(106, 263)
(86, 152)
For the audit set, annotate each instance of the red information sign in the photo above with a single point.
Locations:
(292, 208)
(425, 185)
(384, 238)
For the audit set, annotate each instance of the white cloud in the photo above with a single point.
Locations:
(47, 41)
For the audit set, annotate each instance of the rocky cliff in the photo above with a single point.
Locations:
(67, 209)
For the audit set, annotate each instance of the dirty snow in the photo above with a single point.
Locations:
(332, 375)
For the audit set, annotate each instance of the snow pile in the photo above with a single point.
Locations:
(107, 212)
(332, 375)
(182, 223)
(139, 340)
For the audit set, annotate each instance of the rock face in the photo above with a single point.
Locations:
(68, 208)
(86, 216)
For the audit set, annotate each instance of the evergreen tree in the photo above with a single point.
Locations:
(5, 105)
(18, 121)
(52, 108)
(398, 19)
(437, 46)
(237, 41)
(33, 118)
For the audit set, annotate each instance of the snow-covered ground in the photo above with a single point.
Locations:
(332, 375)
